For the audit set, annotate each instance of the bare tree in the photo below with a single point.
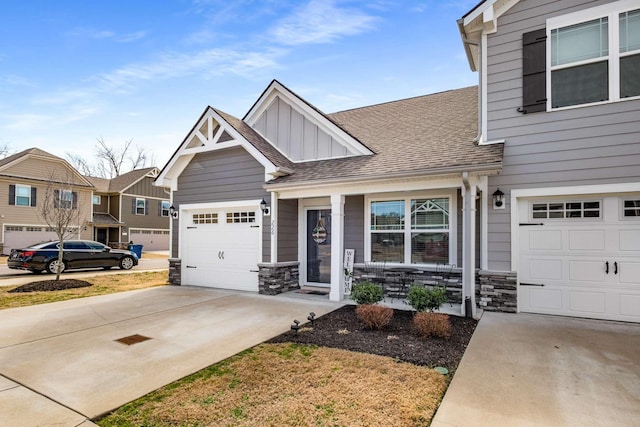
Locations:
(4, 151)
(63, 213)
(112, 161)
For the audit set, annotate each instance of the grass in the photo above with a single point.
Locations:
(292, 385)
(102, 285)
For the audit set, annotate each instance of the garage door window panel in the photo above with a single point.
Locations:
(205, 218)
(566, 210)
(241, 217)
(631, 209)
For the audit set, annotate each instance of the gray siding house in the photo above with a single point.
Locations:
(560, 91)
(272, 201)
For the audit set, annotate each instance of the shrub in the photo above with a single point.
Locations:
(374, 316)
(366, 293)
(432, 324)
(422, 298)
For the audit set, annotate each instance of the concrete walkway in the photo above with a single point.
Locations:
(60, 363)
(535, 370)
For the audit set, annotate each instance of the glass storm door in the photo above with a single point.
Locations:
(318, 235)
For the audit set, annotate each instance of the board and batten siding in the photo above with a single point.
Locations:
(222, 176)
(145, 188)
(287, 230)
(295, 135)
(597, 144)
(354, 225)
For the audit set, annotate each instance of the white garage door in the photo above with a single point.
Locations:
(20, 236)
(151, 240)
(580, 257)
(221, 248)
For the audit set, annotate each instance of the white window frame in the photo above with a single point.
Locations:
(564, 209)
(164, 211)
(65, 199)
(96, 199)
(612, 11)
(623, 209)
(28, 187)
(144, 204)
(408, 231)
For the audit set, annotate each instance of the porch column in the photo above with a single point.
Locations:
(337, 247)
(469, 242)
(273, 226)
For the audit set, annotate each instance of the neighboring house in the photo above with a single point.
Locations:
(129, 208)
(402, 182)
(25, 178)
(561, 93)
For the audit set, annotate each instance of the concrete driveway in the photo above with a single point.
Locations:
(60, 363)
(535, 370)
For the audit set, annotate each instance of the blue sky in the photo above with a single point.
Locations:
(75, 71)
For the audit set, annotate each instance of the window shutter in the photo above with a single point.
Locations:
(146, 207)
(74, 197)
(534, 72)
(56, 198)
(33, 196)
(12, 194)
(133, 206)
(159, 207)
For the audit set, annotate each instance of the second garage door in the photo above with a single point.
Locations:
(221, 248)
(580, 257)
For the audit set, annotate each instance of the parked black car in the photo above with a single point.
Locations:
(77, 254)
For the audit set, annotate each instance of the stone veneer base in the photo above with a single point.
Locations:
(274, 279)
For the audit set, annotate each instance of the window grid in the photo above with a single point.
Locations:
(241, 217)
(631, 208)
(140, 207)
(66, 199)
(205, 218)
(23, 195)
(566, 210)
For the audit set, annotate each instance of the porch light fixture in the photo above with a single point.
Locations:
(498, 199)
(173, 212)
(264, 208)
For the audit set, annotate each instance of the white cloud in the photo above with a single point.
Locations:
(90, 33)
(321, 21)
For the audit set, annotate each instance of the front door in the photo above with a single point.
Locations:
(318, 236)
(101, 235)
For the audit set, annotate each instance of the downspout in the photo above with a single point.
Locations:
(468, 239)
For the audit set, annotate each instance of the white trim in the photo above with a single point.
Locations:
(483, 185)
(303, 207)
(406, 197)
(611, 11)
(276, 89)
(273, 231)
(484, 87)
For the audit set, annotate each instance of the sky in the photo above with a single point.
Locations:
(75, 71)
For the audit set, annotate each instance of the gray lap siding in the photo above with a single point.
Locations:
(222, 176)
(589, 145)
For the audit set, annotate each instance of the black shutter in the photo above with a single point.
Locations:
(534, 72)
(133, 206)
(56, 198)
(146, 207)
(12, 194)
(33, 196)
(159, 207)
(74, 198)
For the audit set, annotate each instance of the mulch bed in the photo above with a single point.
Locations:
(399, 340)
(51, 285)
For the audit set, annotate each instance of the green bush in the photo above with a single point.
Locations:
(366, 293)
(422, 298)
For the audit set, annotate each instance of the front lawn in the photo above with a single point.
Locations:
(100, 285)
(332, 373)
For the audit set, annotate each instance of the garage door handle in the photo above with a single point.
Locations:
(615, 267)
(531, 223)
(221, 255)
(191, 266)
(606, 271)
(531, 284)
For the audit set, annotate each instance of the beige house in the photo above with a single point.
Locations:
(25, 178)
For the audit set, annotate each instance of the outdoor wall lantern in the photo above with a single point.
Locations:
(264, 208)
(498, 199)
(173, 212)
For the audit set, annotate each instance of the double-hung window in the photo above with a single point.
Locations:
(140, 207)
(164, 208)
(23, 195)
(594, 55)
(410, 230)
(66, 199)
